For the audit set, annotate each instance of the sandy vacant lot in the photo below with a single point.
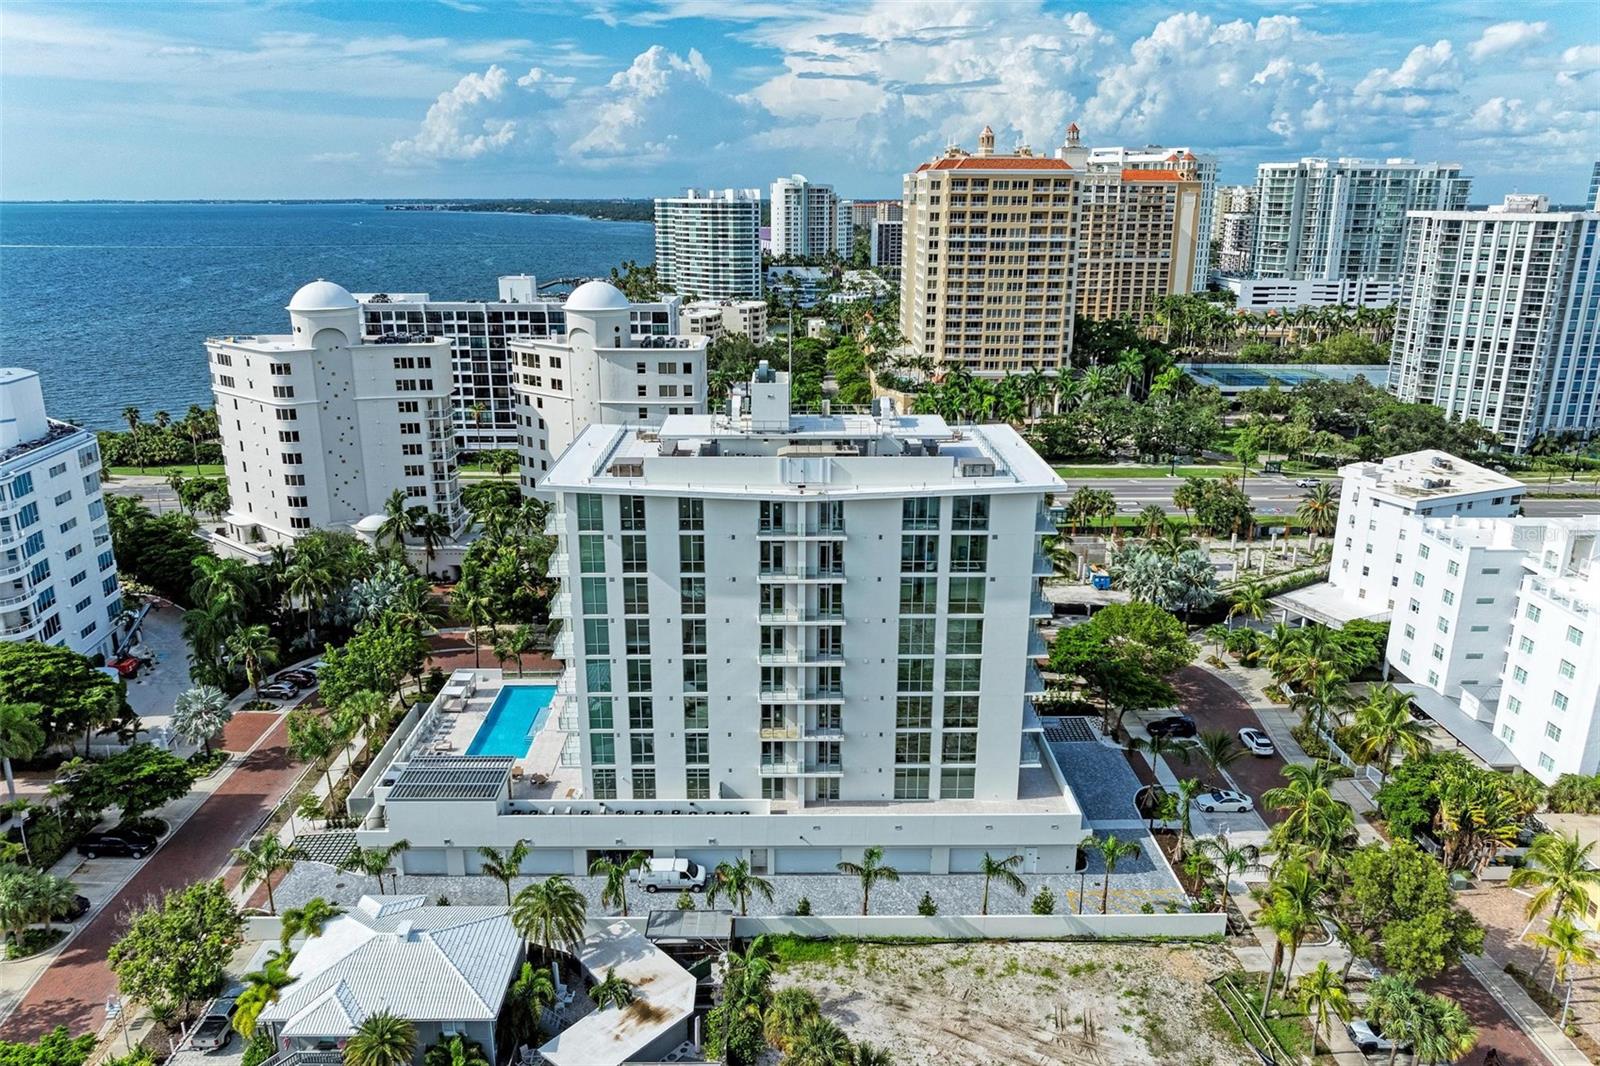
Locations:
(1032, 1003)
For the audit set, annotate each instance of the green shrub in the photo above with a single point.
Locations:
(803, 908)
(927, 907)
(685, 901)
(259, 1049)
(1044, 901)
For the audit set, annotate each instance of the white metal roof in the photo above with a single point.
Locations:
(663, 997)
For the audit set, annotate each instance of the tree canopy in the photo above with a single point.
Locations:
(74, 695)
(1123, 656)
(1401, 897)
(174, 952)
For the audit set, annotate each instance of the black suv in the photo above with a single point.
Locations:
(131, 842)
(1177, 725)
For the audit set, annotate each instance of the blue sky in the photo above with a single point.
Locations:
(613, 98)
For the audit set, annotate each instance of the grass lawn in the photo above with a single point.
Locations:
(186, 469)
(1083, 472)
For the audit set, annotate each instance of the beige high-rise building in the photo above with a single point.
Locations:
(989, 269)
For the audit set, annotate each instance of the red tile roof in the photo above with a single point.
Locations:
(997, 162)
(1151, 175)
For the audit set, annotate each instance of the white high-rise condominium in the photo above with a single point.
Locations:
(320, 426)
(1231, 199)
(805, 217)
(1594, 187)
(1165, 158)
(989, 267)
(616, 363)
(708, 243)
(888, 243)
(1499, 318)
(58, 578)
(1345, 218)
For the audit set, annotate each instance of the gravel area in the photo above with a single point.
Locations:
(1136, 881)
(1101, 779)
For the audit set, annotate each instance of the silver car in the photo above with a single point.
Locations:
(1224, 799)
(1256, 742)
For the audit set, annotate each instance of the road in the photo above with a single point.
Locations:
(74, 990)
(1216, 706)
(1267, 491)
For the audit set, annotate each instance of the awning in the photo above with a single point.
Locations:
(1476, 736)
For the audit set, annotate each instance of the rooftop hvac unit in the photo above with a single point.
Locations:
(627, 468)
(977, 468)
(1435, 482)
(1442, 462)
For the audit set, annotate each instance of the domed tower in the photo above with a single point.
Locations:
(599, 309)
(986, 141)
(324, 305)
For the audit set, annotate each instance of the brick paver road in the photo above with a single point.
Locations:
(1215, 705)
(73, 991)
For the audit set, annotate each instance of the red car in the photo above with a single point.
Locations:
(127, 666)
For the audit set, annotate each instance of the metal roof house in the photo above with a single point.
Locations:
(446, 969)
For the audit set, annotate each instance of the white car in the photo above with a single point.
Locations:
(1307, 483)
(1256, 742)
(1369, 1039)
(1224, 799)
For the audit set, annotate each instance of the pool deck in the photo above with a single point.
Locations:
(454, 720)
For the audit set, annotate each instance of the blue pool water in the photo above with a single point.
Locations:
(516, 714)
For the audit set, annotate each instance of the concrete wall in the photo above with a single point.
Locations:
(993, 927)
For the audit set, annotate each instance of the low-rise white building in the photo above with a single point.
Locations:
(711, 319)
(1283, 294)
(320, 426)
(616, 363)
(787, 637)
(58, 577)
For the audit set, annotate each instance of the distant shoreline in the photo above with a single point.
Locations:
(621, 210)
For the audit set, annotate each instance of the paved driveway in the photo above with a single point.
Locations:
(1215, 705)
(74, 990)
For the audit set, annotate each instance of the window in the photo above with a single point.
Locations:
(635, 595)
(960, 747)
(964, 636)
(957, 783)
(966, 595)
(1558, 700)
(591, 554)
(919, 595)
(916, 636)
(633, 554)
(962, 675)
(919, 513)
(1417, 579)
(912, 748)
(1531, 612)
(1508, 734)
(961, 712)
(636, 636)
(1552, 731)
(1574, 636)
(696, 749)
(597, 675)
(919, 554)
(1567, 670)
(1524, 644)
(697, 784)
(694, 636)
(1443, 625)
(696, 714)
(1546, 762)
(691, 513)
(632, 511)
(639, 675)
(593, 591)
(641, 712)
(969, 554)
(692, 553)
(644, 784)
(695, 676)
(642, 749)
(970, 512)
(600, 712)
(1519, 675)
(591, 518)
(1513, 704)
(605, 784)
(692, 595)
(602, 749)
(1449, 596)
(1452, 567)
(910, 784)
(913, 712)
(915, 675)
(597, 636)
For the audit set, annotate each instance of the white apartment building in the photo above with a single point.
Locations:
(1162, 158)
(1367, 577)
(805, 217)
(1499, 318)
(708, 243)
(990, 266)
(1594, 187)
(888, 243)
(1345, 218)
(1283, 294)
(58, 578)
(616, 363)
(823, 624)
(482, 408)
(712, 319)
(320, 425)
(1235, 237)
(1231, 200)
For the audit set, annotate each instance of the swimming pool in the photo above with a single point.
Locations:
(513, 718)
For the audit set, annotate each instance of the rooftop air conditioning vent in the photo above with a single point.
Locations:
(627, 468)
(977, 468)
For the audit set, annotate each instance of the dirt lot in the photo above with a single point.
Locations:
(1033, 1003)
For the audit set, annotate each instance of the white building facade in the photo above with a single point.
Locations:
(805, 217)
(616, 363)
(712, 319)
(708, 243)
(320, 426)
(1282, 294)
(1499, 318)
(58, 577)
(1345, 218)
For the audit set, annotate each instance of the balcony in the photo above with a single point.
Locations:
(1042, 567)
(26, 627)
(792, 657)
(1038, 648)
(562, 649)
(795, 768)
(787, 732)
(560, 566)
(796, 695)
(1040, 607)
(801, 573)
(795, 616)
(822, 733)
(561, 605)
(801, 533)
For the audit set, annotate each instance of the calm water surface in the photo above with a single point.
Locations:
(111, 302)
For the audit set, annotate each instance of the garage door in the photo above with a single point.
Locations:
(548, 861)
(425, 861)
(709, 857)
(909, 860)
(967, 860)
(807, 860)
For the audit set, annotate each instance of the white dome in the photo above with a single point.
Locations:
(596, 296)
(370, 524)
(322, 296)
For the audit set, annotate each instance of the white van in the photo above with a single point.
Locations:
(671, 875)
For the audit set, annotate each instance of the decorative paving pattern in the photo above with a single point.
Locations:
(1073, 730)
(331, 847)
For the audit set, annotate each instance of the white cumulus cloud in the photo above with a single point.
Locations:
(456, 126)
(1507, 37)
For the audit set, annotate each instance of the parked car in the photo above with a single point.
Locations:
(126, 667)
(1307, 483)
(1255, 741)
(1369, 1039)
(303, 678)
(80, 907)
(1224, 799)
(1176, 725)
(215, 1027)
(672, 875)
(119, 841)
(277, 691)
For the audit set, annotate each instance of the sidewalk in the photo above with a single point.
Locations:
(1533, 1021)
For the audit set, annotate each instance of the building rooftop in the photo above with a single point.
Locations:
(597, 296)
(996, 162)
(663, 991)
(322, 295)
(1428, 475)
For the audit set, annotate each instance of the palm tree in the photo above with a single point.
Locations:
(1062, 556)
(309, 583)
(1249, 603)
(1218, 750)
(870, 870)
(265, 859)
(1151, 521)
(1559, 866)
(1112, 852)
(56, 896)
(130, 415)
(396, 520)
(1003, 870)
(21, 737)
(254, 650)
(531, 994)
(1293, 908)
(382, 1039)
(1321, 995)
(308, 918)
(1308, 792)
(791, 1008)
(611, 992)
(1229, 859)
(504, 865)
(819, 1043)
(1396, 1005)
(733, 879)
(198, 714)
(550, 913)
(375, 861)
(1318, 510)
(1443, 1032)
(615, 891)
(432, 529)
(1384, 724)
(456, 1052)
(1188, 789)
(1571, 946)
(262, 988)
